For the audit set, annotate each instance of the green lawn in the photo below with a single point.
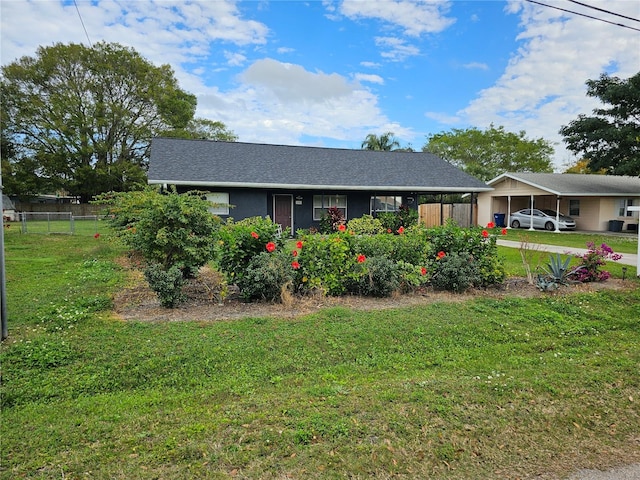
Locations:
(516, 388)
(627, 243)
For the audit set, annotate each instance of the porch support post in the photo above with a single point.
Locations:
(441, 211)
(471, 212)
(508, 211)
(531, 215)
(636, 209)
(557, 230)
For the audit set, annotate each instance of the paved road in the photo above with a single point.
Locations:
(627, 258)
(630, 472)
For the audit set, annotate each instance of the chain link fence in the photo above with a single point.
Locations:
(61, 223)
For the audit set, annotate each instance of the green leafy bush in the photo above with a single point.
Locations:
(365, 225)
(326, 263)
(381, 277)
(455, 272)
(330, 221)
(266, 275)
(165, 228)
(167, 283)
(241, 241)
(476, 246)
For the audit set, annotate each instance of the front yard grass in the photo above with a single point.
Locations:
(518, 388)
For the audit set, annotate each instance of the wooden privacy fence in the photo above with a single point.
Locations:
(430, 214)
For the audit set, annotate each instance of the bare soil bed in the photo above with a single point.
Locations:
(138, 302)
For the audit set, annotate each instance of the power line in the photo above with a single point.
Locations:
(584, 15)
(604, 11)
(82, 22)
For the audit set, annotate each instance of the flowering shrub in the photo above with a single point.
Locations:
(405, 217)
(241, 241)
(477, 254)
(380, 279)
(592, 261)
(326, 263)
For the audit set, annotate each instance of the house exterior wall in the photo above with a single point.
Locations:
(248, 202)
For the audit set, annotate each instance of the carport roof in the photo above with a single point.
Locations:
(575, 184)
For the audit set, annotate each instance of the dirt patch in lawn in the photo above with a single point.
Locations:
(138, 302)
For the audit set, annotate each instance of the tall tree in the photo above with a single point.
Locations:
(486, 154)
(386, 141)
(610, 139)
(204, 129)
(86, 116)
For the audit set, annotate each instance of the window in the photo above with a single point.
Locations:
(385, 203)
(574, 208)
(220, 203)
(623, 203)
(322, 202)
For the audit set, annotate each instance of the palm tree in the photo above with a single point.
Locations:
(385, 141)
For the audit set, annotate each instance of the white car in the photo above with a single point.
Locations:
(541, 219)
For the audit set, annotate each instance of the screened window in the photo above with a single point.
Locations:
(385, 203)
(574, 208)
(622, 207)
(323, 202)
(220, 203)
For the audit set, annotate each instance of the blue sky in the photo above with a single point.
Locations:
(329, 72)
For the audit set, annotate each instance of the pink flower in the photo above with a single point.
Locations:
(295, 265)
(491, 225)
(401, 230)
(388, 230)
(342, 228)
(485, 234)
(423, 271)
(504, 231)
(255, 235)
(299, 244)
(97, 235)
(270, 247)
(361, 258)
(441, 254)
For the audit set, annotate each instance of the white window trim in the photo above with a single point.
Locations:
(326, 203)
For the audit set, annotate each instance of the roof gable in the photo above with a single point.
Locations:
(576, 184)
(204, 163)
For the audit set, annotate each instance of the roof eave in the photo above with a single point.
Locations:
(293, 186)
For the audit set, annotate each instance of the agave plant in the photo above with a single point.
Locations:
(557, 274)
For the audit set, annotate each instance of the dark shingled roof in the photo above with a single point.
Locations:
(577, 184)
(205, 163)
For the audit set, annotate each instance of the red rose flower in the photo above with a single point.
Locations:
(401, 230)
(255, 235)
(342, 228)
(361, 258)
(485, 234)
(441, 254)
(270, 247)
(491, 225)
(299, 244)
(504, 231)
(423, 271)
(295, 265)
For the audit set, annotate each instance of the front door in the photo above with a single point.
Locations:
(283, 210)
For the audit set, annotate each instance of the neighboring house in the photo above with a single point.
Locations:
(9, 213)
(295, 185)
(596, 202)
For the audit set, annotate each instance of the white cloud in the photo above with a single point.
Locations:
(370, 64)
(234, 59)
(279, 102)
(476, 66)
(543, 86)
(415, 17)
(364, 77)
(396, 48)
(283, 50)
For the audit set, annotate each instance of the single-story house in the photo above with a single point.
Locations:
(595, 202)
(295, 185)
